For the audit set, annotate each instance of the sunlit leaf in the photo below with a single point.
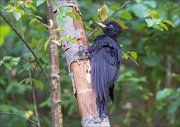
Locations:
(146, 14)
(39, 84)
(162, 94)
(39, 2)
(164, 26)
(46, 43)
(103, 12)
(60, 29)
(4, 30)
(156, 21)
(134, 55)
(126, 15)
(158, 27)
(154, 14)
(169, 22)
(72, 15)
(17, 15)
(124, 55)
(149, 22)
(28, 114)
(5, 58)
(121, 23)
(138, 1)
(16, 60)
(33, 20)
(9, 8)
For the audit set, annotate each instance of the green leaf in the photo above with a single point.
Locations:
(169, 22)
(9, 8)
(124, 55)
(149, 22)
(27, 81)
(6, 58)
(133, 55)
(72, 15)
(31, 6)
(138, 1)
(164, 26)
(126, 15)
(59, 29)
(158, 27)
(103, 13)
(17, 15)
(46, 43)
(146, 14)
(154, 14)
(47, 103)
(16, 60)
(157, 21)
(162, 94)
(39, 2)
(4, 30)
(27, 66)
(1, 62)
(33, 20)
(39, 84)
(138, 9)
(121, 23)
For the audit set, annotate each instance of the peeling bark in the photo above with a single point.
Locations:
(80, 70)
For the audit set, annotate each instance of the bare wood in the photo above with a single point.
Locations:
(86, 97)
(55, 75)
(85, 94)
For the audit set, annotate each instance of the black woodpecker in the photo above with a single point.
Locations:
(105, 61)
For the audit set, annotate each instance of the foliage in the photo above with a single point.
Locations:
(147, 92)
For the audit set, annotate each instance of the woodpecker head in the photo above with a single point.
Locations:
(111, 29)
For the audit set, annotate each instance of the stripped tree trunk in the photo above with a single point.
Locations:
(80, 70)
(55, 75)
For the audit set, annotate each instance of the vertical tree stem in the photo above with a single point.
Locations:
(55, 75)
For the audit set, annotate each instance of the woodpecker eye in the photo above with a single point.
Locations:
(111, 26)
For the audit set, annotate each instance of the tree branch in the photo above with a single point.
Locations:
(27, 45)
(9, 113)
(30, 76)
(55, 73)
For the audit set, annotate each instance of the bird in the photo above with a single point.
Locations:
(105, 60)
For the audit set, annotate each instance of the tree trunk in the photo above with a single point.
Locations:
(55, 75)
(79, 70)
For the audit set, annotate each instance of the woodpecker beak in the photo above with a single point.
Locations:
(100, 24)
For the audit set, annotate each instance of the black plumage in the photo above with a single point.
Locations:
(105, 59)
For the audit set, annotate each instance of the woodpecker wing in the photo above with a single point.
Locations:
(105, 56)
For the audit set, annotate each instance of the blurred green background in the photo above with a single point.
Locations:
(147, 93)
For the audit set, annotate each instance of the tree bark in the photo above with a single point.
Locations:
(80, 70)
(55, 74)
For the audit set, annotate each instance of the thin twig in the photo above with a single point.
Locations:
(30, 76)
(9, 113)
(112, 15)
(27, 45)
(35, 106)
